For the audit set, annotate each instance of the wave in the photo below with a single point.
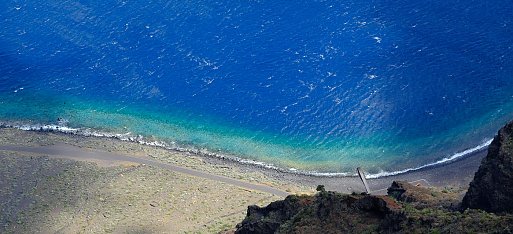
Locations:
(129, 137)
(439, 162)
(140, 140)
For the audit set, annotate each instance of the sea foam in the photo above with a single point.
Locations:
(451, 158)
(129, 137)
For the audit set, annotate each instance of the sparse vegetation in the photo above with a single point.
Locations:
(40, 194)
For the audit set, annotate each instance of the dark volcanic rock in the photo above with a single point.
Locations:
(331, 212)
(268, 219)
(492, 187)
(327, 212)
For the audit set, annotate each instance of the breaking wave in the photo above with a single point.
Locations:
(129, 137)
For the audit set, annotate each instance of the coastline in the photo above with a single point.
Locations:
(203, 179)
(128, 137)
(457, 172)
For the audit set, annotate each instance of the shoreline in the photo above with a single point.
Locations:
(463, 168)
(133, 176)
(456, 174)
(127, 137)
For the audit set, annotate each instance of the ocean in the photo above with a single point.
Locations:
(315, 86)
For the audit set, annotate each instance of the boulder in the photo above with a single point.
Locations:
(406, 192)
(422, 197)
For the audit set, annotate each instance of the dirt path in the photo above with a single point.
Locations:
(76, 153)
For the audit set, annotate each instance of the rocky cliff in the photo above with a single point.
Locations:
(492, 187)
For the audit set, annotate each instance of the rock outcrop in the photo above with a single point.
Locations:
(321, 213)
(268, 219)
(423, 197)
(492, 187)
(331, 212)
(406, 192)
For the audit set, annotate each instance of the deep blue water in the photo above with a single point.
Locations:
(314, 85)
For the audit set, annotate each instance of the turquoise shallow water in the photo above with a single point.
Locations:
(190, 131)
(321, 86)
